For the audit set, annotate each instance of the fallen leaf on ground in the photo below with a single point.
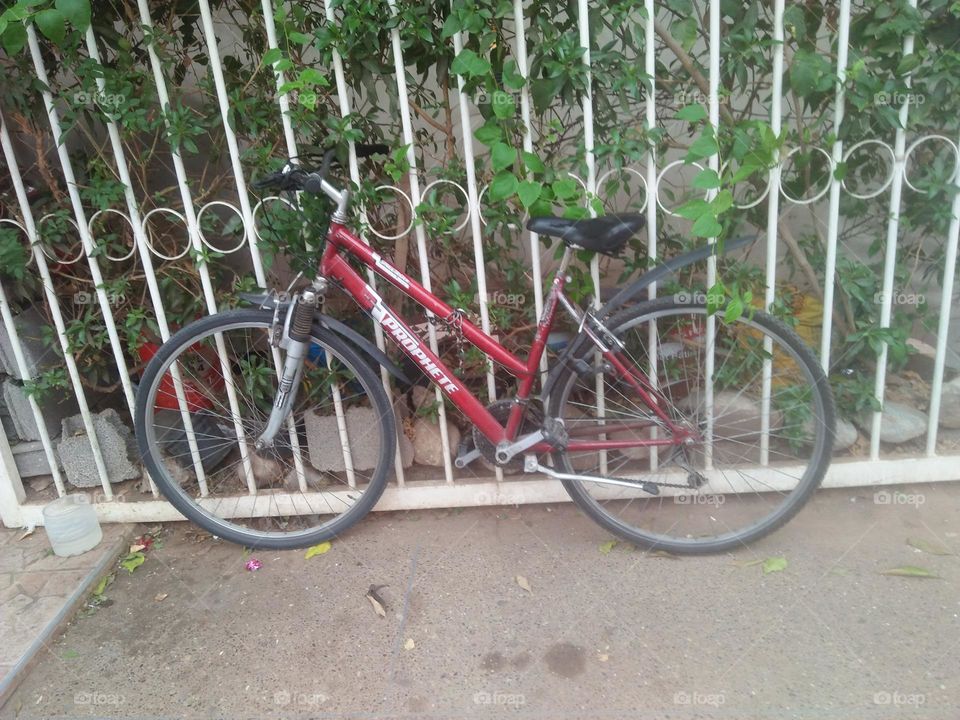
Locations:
(27, 533)
(910, 571)
(774, 564)
(606, 547)
(102, 585)
(137, 547)
(132, 561)
(602, 657)
(160, 597)
(928, 547)
(373, 595)
(662, 554)
(522, 582)
(409, 644)
(320, 549)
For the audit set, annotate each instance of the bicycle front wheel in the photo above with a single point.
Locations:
(205, 398)
(764, 434)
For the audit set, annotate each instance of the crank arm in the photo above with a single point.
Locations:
(531, 465)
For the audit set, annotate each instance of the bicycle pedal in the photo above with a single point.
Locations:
(466, 454)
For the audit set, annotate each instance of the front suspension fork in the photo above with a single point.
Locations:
(295, 338)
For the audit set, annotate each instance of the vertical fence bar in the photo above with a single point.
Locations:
(943, 322)
(282, 99)
(714, 164)
(213, 53)
(143, 249)
(520, 49)
(650, 67)
(25, 374)
(773, 215)
(344, 99)
(193, 230)
(583, 25)
(890, 256)
(403, 100)
(833, 222)
(82, 228)
(54, 304)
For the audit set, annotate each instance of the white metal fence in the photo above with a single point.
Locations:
(445, 488)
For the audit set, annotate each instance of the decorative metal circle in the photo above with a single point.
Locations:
(44, 250)
(133, 248)
(927, 138)
(752, 203)
(203, 238)
(256, 209)
(660, 175)
(458, 186)
(817, 196)
(631, 171)
(886, 183)
(146, 233)
(412, 214)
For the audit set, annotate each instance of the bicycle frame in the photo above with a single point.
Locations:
(335, 267)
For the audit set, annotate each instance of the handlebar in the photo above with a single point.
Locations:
(312, 181)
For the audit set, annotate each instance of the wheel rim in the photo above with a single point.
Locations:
(741, 498)
(296, 493)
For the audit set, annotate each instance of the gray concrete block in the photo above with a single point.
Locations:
(31, 459)
(326, 450)
(39, 356)
(55, 407)
(117, 446)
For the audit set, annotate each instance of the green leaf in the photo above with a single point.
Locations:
(503, 186)
(320, 549)
(565, 188)
(706, 226)
(451, 26)
(76, 11)
(908, 63)
(534, 164)
(502, 156)
(733, 310)
(703, 147)
(804, 72)
(503, 105)
(511, 77)
(469, 64)
(606, 547)
(692, 113)
(489, 134)
(928, 547)
(707, 180)
(52, 24)
(14, 38)
(911, 571)
(774, 564)
(529, 192)
(694, 209)
(314, 77)
(841, 171)
(721, 203)
(272, 55)
(299, 38)
(132, 561)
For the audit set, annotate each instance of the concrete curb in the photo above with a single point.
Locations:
(9, 683)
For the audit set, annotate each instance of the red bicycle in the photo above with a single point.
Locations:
(671, 426)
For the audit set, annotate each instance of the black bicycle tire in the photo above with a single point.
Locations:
(183, 503)
(798, 497)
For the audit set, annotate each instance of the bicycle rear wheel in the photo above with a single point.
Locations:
(204, 399)
(743, 477)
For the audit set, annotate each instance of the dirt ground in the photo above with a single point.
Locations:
(615, 634)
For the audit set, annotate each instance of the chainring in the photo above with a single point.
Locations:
(532, 421)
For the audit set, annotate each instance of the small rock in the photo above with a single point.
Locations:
(899, 423)
(117, 446)
(950, 404)
(427, 444)
(846, 435)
